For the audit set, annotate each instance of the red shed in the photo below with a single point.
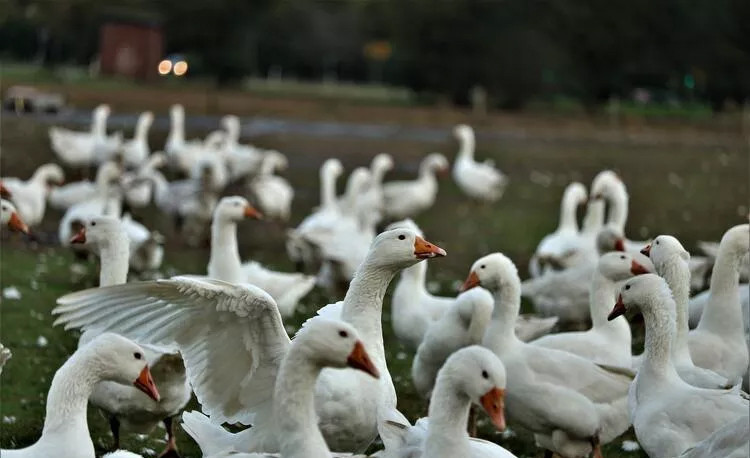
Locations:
(131, 47)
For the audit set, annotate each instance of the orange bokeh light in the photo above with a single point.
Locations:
(180, 68)
(165, 67)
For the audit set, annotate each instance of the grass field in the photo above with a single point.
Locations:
(690, 180)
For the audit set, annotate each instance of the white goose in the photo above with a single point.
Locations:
(242, 160)
(30, 196)
(319, 344)
(65, 196)
(9, 218)
(139, 184)
(462, 325)
(472, 375)
(563, 294)
(607, 342)
(729, 441)
(370, 204)
(557, 246)
(669, 415)
(590, 401)
(183, 155)
(718, 343)
(77, 149)
(273, 193)
(225, 264)
(66, 433)
(609, 187)
(136, 150)
(232, 340)
(405, 199)
(123, 405)
(671, 261)
(480, 181)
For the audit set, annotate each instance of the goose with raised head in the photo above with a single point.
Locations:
(242, 160)
(136, 150)
(66, 433)
(462, 325)
(123, 405)
(224, 264)
(554, 249)
(669, 415)
(590, 401)
(718, 342)
(183, 155)
(479, 180)
(607, 342)
(406, 199)
(30, 196)
(610, 188)
(239, 329)
(139, 184)
(370, 204)
(79, 149)
(472, 375)
(319, 344)
(671, 261)
(65, 196)
(273, 193)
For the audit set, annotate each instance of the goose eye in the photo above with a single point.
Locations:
(657, 242)
(485, 374)
(402, 237)
(482, 266)
(93, 223)
(627, 286)
(137, 355)
(343, 333)
(622, 257)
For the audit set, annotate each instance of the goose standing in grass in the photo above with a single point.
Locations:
(669, 415)
(370, 204)
(65, 196)
(183, 155)
(136, 150)
(232, 339)
(607, 342)
(82, 149)
(319, 344)
(554, 248)
(30, 196)
(718, 342)
(123, 405)
(273, 193)
(462, 325)
(481, 181)
(590, 401)
(109, 357)
(242, 160)
(472, 375)
(224, 264)
(406, 199)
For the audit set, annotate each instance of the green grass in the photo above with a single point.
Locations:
(690, 184)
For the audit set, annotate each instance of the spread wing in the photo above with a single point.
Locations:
(231, 336)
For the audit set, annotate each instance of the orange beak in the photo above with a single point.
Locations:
(637, 269)
(80, 237)
(145, 383)
(646, 251)
(619, 245)
(4, 192)
(618, 310)
(359, 359)
(425, 250)
(251, 212)
(493, 403)
(16, 224)
(472, 281)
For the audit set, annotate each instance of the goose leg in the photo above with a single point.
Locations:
(597, 448)
(171, 450)
(472, 421)
(114, 425)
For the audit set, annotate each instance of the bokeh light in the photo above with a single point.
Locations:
(180, 68)
(165, 67)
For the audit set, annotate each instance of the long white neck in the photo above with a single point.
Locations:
(294, 408)
(161, 185)
(141, 129)
(99, 124)
(467, 145)
(568, 222)
(224, 262)
(40, 177)
(659, 324)
(327, 188)
(618, 212)
(448, 414)
(176, 137)
(593, 221)
(723, 311)
(602, 296)
(68, 397)
(676, 273)
(427, 177)
(114, 255)
(501, 334)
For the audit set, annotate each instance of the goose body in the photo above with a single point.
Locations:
(406, 199)
(78, 149)
(66, 196)
(242, 160)
(273, 193)
(30, 196)
(136, 150)
(480, 181)
(371, 203)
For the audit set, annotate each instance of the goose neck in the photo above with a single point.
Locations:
(500, 334)
(68, 397)
(224, 261)
(677, 275)
(177, 130)
(593, 221)
(602, 297)
(723, 311)
(114, 254)
(467, 146)
(659, 324)
(618, 212)
(141, 129)
(99, 124)
(568, 208)
(448, 414)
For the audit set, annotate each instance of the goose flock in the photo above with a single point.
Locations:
(566, 374)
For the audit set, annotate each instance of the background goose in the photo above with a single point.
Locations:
(608, 186)
(370, 204)
(481, 181)
(242, 160)
(65, 196)
(108, 357)
(273, 193)
(139, 184)
(405, 199)
(9, 218)
(79, 149)
(30, 196)
(136, 150)
(669, 415)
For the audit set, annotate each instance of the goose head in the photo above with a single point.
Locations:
(618, 266)
(50, 174)
(606, 184)
(109, 173)
(434, 163)
(157, 160)
(407, 223)
(381, 163)
(334, 343)
(737, 241)
(121, 360)
(145, 120)
(401, 248)
(4, 192)
(100, 231)
(231, 124)
(332, 167)
(493, 272)
(610, 238)
(9, 216)
(642, 293)
(177, 112)
(665, 249)
(463, 132)
(576, 194)
(480, 375)
(235, 208)
(102, 112)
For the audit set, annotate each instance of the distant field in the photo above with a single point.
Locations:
(690, 180)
